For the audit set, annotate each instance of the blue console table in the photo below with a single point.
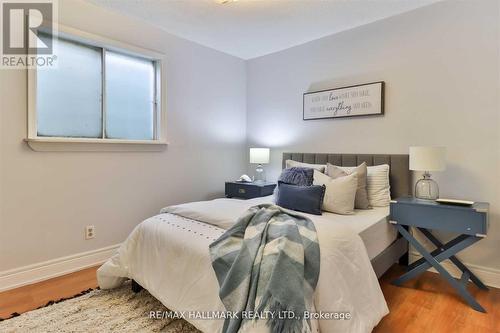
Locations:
(470, 222)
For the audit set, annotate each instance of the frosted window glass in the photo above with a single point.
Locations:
(129, 97)
(68, 97)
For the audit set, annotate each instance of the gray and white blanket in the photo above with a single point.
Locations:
(268, 264)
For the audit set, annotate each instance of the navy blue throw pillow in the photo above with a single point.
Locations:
(307, 199)
(297, 176)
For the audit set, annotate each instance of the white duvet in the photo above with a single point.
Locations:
(168, 255)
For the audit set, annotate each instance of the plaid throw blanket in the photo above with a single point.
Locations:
(268, 262)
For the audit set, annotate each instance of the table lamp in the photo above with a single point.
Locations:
(427, 159)
(259, 156)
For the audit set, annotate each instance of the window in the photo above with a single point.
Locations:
(69, 97)
(98, 93)
(130, 97)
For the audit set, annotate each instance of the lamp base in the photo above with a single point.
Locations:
(426, 188)
(260, 174)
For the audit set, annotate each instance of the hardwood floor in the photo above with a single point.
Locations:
(427, 304)
(35, 295)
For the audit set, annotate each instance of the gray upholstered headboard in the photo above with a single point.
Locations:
(399, 174)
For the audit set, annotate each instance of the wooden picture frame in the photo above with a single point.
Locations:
(365, 99)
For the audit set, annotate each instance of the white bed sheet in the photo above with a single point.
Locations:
(372, 225)
(168, 255)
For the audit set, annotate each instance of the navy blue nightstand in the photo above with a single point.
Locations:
(249, 190)
(471, 222)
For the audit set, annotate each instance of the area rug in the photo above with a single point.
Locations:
(116, 310)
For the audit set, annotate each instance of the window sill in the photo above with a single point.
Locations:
(82, 144)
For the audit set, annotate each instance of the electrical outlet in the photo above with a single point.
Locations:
(89, 232)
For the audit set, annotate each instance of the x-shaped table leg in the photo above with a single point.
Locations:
(433, 259)
(454, 259)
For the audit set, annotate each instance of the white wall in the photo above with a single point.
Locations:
(440, 65)
(441, 68)
(48, 198)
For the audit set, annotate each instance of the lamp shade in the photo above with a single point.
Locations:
(427, 158)
(259, 155)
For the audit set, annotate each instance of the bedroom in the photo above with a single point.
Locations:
(221, 95)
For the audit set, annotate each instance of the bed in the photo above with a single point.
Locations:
(167, 254)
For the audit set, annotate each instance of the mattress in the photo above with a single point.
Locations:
(372, 225)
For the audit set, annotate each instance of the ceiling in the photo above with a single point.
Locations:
(252, 28)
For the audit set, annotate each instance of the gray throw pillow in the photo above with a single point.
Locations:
(297, 176)
(361, 200)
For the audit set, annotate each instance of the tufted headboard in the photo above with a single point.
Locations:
(399, 174)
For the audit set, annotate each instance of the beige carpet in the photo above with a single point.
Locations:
(117, 310)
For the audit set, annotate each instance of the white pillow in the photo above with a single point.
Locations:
(291, 164)
(339, 193)
(377, 184)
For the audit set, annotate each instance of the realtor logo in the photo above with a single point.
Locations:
(20, 23)
(27, 33)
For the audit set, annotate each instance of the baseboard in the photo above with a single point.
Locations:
(25, 275)
(489, 276)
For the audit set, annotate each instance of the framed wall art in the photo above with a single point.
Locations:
(358, 100)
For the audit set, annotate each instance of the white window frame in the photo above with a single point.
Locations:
(159, 141)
